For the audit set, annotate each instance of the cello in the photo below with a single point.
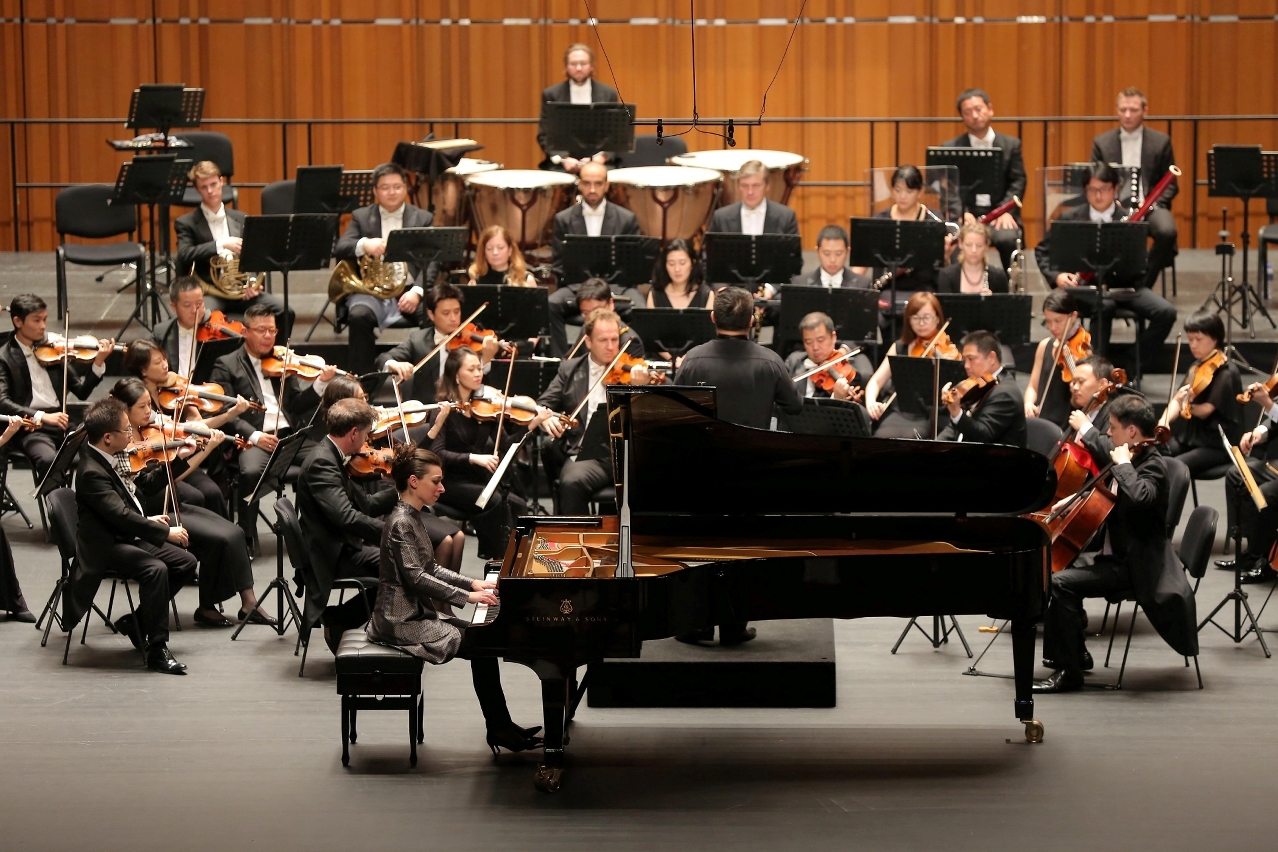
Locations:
(1073, 464)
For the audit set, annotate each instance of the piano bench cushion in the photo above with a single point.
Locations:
(366, 668)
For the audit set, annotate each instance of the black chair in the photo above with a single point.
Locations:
(1042, 436)
(64, 519)
(1216, 472)
(277, 197)
(8, 502)
(1267, 236)
(291, 530)
(648, 153)
(217, 147)
(604, 501)
(82, 211)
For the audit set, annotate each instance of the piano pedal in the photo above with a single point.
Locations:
(547, 779)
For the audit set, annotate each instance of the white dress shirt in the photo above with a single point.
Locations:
(391, 221)
(598, 394)
(43, 394)
(594, 218)
(1097, 216)
(752, 220)
(274, 419)
(185, 336)
(1131, 145)
(986, 141)
(828, 280)
(218, 227)
(578, 94)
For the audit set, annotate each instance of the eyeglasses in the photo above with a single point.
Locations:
(263, 330)
(923, 318)
(127, 430)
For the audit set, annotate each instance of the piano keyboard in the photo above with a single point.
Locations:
(484, 614)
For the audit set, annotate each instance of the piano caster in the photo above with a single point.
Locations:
(1033, 731)
(547, 779)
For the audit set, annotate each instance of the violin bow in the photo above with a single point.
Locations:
(66, 356)
(432, 353)
(505, 403)
(581, 338)
(845, 356)
(1171, 390)
(399, 405)
(598, 381)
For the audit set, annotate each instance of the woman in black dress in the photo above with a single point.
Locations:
(1196, 439)
(972, 274)
(678, 280)
(907, 190)
(1048, 393)
(498, 260)
(11, 600)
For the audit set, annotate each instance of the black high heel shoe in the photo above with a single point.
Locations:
(512, 738)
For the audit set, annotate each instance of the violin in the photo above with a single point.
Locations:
(413, 413)
(828, 377)
(284, 360)
(620, 373)
(56, 348)
(521, 409)
(1199, 378)
(208, 397)
(472, 337)
(218, 327)
(152, 449)
(195, 429)
(970, 390)
(370, 461)
(28, 423)
(1077, 347)
(936, 346)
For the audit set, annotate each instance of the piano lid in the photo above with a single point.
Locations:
(684, 461)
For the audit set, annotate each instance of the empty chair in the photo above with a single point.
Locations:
(277, 197)
(648, 153)
(83, 211)
(1042, 436)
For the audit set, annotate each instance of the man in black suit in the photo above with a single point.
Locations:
(1135, 554)
(977, 112)
(289, 403)
(210, 230)
(580, 87)
(833, 250)
(754, 214)
(443, 306)
(998, 417)
(174, 335)
(1257, 526)
(1134, 144)
(1102, 206)
(593, 216)
(114, 533)
(366, 236)
(30, 389)
(820, 344)
(340, 519)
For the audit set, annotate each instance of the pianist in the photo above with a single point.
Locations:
(415, 595)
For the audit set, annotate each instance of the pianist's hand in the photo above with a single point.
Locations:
(482, 598)
(483, 585)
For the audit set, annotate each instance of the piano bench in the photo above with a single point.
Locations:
(377, 677)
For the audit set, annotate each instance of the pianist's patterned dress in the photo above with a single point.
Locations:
(412, 591)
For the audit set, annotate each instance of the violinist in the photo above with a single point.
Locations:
(997, 416)
(972, 273)
(1207, 401)
(921, 336)
(1257, 526)
(819, 346)
(225, 564)
(498, 260)
(1048, 393)
(443, 304)
(340, 520)
(11, 600)
(176, 334)
(471, 455)
(114, 532)
(1135, 554)
(31, 388)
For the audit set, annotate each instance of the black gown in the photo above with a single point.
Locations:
(11, 599)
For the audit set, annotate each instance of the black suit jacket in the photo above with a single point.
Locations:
(559, 93)
(1043, 251)
(196, 244)
(235, 373)
(367, 222)
(107, 513)
(750, 380)
(616, 220)
(335, 512)
(15, 381)
(566, 391)
(777, 219)
(1013, 172)
(412, 350)
(999, 418)
(813, 278)
(1156, 158)
(950, 279)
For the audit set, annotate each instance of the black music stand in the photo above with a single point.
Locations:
(272, 479)
(164, 106)
(154, 181)
(356, 188)
(1006, 314)
(893, 244)
(623, 260)
(206, 356)
(583, 130)
(532, 375)
(318, 190)
(980, 176)
(1243, 172)
(918, 382)
(748, 260)
(513, 313)
(431, 157)
(424, 246)
(673, 330)
(1109, 250)
(823, 416)
(286, 242)
(59, 472)
(855, 313)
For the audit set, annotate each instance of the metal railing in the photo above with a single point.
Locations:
(876, 127)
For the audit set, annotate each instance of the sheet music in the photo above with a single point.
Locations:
(482, 501)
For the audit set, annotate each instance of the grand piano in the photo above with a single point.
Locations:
(724, 523)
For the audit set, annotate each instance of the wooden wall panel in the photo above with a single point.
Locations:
(284, 67)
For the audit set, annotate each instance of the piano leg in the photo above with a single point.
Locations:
(1024, 637)
(554, 702)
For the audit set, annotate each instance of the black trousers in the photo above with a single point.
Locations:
(199, 489)
(353, 612)
(236, 308)
(252, 465)
(11, 599)
(563, 310)
(1258, 526)
(1063, 626)
(225, 565)
(160, 571)
(40, 447)
(492, 524)
(578, 481)
(1158, 313)
(1199, 460)
(1004, 243)
(485, 674)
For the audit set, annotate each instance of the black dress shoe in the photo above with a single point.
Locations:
(1062, 680)
(25, 616)
(1087, 662)
(256, 617)
(737, 638)
(1259, 574)
(512, 738)
(128, 625)
(160, 659)
(696, 637)
(209, 620)
(1226, 564)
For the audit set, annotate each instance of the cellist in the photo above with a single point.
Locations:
(1092, 375)
(1135, 554)
(921, 336)
(1207, 401)
(1048, 393)
(1257, 526)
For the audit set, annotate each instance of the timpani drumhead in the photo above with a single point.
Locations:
(729, 160)
(670, 202)
(524, 201)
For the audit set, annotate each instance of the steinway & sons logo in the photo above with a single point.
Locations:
(565, 606)
(567, 614)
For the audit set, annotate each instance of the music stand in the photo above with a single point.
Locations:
(918, 383)
(67, 456)
(855, 312)
(431, 157)
(1243, 172)
(164, 106)
(583, 130)
(623, 260)
(272, 479)
(286, 242)
(356, 189)
(1006, 314)
(532, 375)
(673, 330)
(208, 353)
(514, 313)
(424, 246)
(840, 418)
(748, 260)
(892, 244)
(158, 180)
(319, 190)
(980, 176)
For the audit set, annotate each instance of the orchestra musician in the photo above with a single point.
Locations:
(211, 230)
(416, 594)
(579, 457)
(833, 250)
(11, 599)
(175, 334)
(366, 236)
(226, 568)
(678, 280)
(820, 344)
(921, 328)
(972, 273)
(468, 447)
(114, 533)
(595, 294)
(1134, 144)
(754, 214)
(29, 388)
(289, 402)
(977, 112)
(1210, 394)
(340, 520)
(907, 189)
(1258, 526)
(1136, 554)
(1091, 375)
(498, 260)
(580, 87)
(1102, 206)
(591, 216)
(443, 305)
(998, 415)
(1048, 393)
